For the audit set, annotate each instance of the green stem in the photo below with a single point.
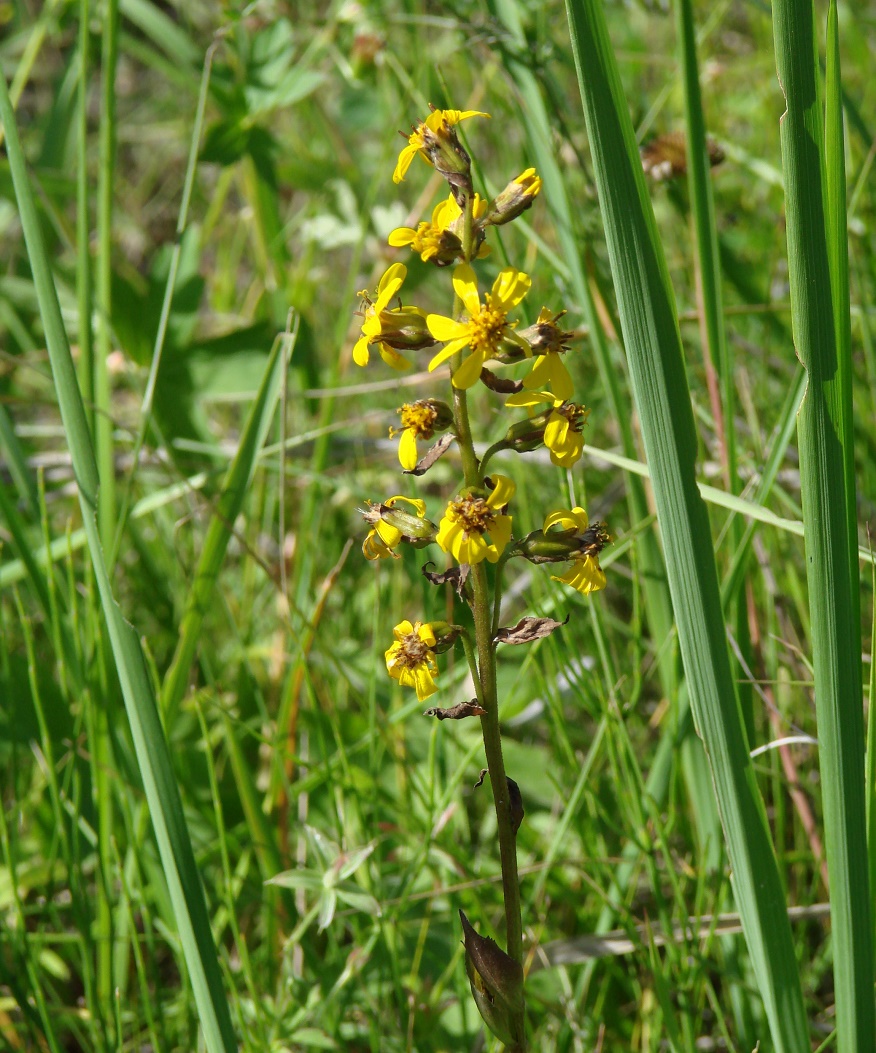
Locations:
(468, 647)
(495, 448)
(495, 761)
(484, 614)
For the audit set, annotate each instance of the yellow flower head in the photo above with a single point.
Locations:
(562, 426)
(398, 327)
(435, 140)
(585, 574)
(549, 342)
(439, 241)
(468, 520)
(486, 326)
(411, 659)
(385, 536)
(420, 420)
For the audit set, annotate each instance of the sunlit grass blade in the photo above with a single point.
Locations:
(818, 275)
(229, 504)
(648, 319)
(153, 758)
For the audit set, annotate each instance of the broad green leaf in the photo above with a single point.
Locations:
(647, 311)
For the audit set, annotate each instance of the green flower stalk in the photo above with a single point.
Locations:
(476, 524)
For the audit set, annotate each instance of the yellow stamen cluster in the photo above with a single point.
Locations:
(486, 328)
(420, 417)
(473, 514)
(412, 651)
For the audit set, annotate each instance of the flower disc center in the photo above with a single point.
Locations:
(486, 328)
(473, 514)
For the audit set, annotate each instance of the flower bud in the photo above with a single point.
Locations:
(442, 147)
(545, 336)
(446, 635)
(528, 434)
(515, 199)
(412, 528)
(554, 547)
(392, 526)
(405, 329)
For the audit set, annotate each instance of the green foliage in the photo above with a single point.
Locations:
(291, 752)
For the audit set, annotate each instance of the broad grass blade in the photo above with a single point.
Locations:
(153, 757)
(818, 272)
(653, 344)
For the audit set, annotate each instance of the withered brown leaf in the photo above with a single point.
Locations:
(528, 629)
(431, 456)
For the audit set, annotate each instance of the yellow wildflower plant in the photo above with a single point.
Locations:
(585, 575)
(468, 520)
(476, 527)
(411, 659)
(562, 428)
(486, 326)
(391, 328)
(432, 136)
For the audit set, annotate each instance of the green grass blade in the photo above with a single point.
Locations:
(815, 217)
(103, 420)
(653, 345)
(705, 229)
(228, 508)
(153, 757)
(15, 460)
(84, 290)
(870, 766)
(838, 258)
(169, 290)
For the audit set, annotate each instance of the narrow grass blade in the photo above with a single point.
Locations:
(818, 274)
(84, 286)
(170, 289)
(153, 757)
(648, 319)
(15, 460)
(228, 507)
(703, 213)
(870, 766)
(838, 258)
(103, 420)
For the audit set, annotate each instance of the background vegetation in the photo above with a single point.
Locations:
(290, 746)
